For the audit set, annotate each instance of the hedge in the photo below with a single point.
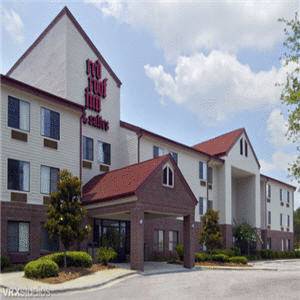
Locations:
(227, 252)
(74, 259)
(238, 260)
(41, 268)
(5, 262)
(180, 251)
(220, 257)
(269, 254)
(105, 255)
(201, 256)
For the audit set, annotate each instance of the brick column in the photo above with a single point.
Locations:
(188, 241)
(137, 239)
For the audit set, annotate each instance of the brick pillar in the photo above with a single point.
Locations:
(137, 239)
(188, 241)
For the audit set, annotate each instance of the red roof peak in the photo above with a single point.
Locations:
(221, 144)
(120, 182)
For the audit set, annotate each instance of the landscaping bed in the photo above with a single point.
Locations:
(66, 274)
(220, 264)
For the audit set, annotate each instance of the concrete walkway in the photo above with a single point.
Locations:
(17, 280)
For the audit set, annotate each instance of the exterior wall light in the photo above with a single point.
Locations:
(141, 221)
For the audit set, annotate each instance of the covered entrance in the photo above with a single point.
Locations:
(124, 199)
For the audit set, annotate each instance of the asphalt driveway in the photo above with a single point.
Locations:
(209, 284)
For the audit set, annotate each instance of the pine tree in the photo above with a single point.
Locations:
(65, 214)
(211, 234)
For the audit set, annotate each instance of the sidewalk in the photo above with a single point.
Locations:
(17, 280)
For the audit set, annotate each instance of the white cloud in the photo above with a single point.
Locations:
(12, 24)
(183, 28)
(217, 86)
(277, 128)
(280, 161)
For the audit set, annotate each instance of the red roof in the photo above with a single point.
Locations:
(221, 144)
(121, 182)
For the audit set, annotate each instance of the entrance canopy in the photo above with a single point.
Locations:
(154, 188)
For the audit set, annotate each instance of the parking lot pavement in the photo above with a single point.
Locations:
(292, 265)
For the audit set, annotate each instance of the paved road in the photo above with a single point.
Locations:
(210, 284)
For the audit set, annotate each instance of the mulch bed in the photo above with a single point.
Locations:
(66, 274)
(219, 264)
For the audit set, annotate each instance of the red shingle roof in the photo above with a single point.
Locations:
(121, 182)
(221, 144)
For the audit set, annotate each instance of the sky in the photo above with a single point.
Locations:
(190, 70)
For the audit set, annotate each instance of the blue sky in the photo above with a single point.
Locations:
(190, 71)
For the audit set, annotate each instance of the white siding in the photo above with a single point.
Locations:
(33, 151)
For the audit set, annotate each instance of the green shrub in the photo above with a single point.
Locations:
(41, 268)
(220, 257)
(238, 260)
(227, 252)
(266, 254)
(180, 251)
(201, 256)
(105, 255)
(5, 262)
(74, 259)
(297, 253)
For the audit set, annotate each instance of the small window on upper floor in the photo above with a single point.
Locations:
(280, 195)
(168, 176)
(157, 151)
(50, 123)
(88, 148)
(241, 146)
(210, 175)
(18, 114)
(287, 196)
(268, 191)
(202, 170)
(175, 156)
(246, 148)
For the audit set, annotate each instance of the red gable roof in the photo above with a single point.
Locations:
(221, 144)
(121, 182)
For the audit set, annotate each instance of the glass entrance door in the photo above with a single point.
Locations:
(114, 234)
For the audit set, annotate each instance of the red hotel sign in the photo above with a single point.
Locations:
(94, 93)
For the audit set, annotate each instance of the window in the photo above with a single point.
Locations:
(18, 175)
(18, 114)
(47, 243)
(50, 123)
(168, 176)
(246, 149)
(157, 151)
(209, 204)
(288, 196)
(241, 146)
(269, 243)
(175, 156)
(282, 244)
(202, 206)
(280, 194)
(268, 191)
(202, 170)
(17, 236)
(210, 175)
(173, 240)
(288, 221)
(158, 240)
(104, 155)
(49, 179)
(269, 218)
(281, 219)
(88, 148)
(289, 245)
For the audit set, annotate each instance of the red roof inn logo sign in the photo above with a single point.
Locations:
(94, 93)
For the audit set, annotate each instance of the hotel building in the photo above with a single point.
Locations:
(144, 193)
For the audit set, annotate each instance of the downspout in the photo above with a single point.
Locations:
(139, 135)
(80, 150)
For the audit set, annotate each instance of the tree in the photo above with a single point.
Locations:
(65, 214)
(211, 234)
(244, 235)
(291, 88)
(297, 228)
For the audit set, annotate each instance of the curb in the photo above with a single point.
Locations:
(75, 289)
(194, 269)
(237, 269)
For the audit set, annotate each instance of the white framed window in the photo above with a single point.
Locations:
(281, 219)
(268, 191)
(175, 156)
(288, 221)
(173, 240)
(158, 240)
(18, 175)
(168, 176)
(49, 179)
(88, 148)
(203, 170)
(18, 114)
(104, 153)
(280, 195)
(158, 151)
(282, 244)
(288, 196)
(17, 236)
(246, 148)
(210, 175)
(50, 123)
(202, 206)
(241, 146)
(269, 218)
